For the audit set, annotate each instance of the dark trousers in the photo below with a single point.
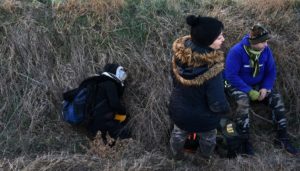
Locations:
(106, 124)
(273, 100)
(207, 142)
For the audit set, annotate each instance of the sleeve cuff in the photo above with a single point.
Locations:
(120, 117)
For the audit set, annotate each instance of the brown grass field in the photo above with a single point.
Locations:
(48, 47)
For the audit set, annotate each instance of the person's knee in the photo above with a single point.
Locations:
(178, 135)
(243, 105)
(243, 100)
(276, 101)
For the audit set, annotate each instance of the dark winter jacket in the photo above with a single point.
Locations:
(238, 71)
(197, 99)
(109, 93)
(109, 103)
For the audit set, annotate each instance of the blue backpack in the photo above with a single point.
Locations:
(74, 112)
(79, 102)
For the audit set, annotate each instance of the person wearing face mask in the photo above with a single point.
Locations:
(109, 115)
(197, 99)
(250, 74)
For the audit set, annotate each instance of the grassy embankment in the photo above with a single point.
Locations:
(47, 48)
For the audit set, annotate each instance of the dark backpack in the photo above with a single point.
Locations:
(79, 102)
(74, 111)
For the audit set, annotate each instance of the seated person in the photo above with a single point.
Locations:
(250, 73)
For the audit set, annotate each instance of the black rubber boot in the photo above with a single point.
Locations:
(283, 142)
(247, 147)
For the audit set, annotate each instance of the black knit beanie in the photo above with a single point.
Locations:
(111, 68)
(204, 30)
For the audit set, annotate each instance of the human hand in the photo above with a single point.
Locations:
(254, 95)
(262, 94)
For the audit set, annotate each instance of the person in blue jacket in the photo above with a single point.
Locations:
(250, 73)
(197, 99)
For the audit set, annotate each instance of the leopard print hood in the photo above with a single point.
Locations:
(194, 67)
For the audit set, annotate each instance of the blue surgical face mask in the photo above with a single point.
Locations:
(121, 73)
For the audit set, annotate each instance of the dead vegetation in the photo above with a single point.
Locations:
(47, 49)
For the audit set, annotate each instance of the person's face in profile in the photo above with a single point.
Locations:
(218, 42)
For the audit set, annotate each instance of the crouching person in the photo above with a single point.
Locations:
(197, 99)
(109, 114)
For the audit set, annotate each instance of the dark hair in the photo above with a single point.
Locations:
(204, 30)
(111, 68)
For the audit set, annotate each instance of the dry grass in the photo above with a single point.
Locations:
(10, 5)
(280, 13)
(99, 8)
(269, 6)
(45, 51)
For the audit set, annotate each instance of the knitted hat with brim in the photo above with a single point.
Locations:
(258, 34)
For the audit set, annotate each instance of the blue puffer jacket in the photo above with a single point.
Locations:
(239, 73)
(197, 100)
